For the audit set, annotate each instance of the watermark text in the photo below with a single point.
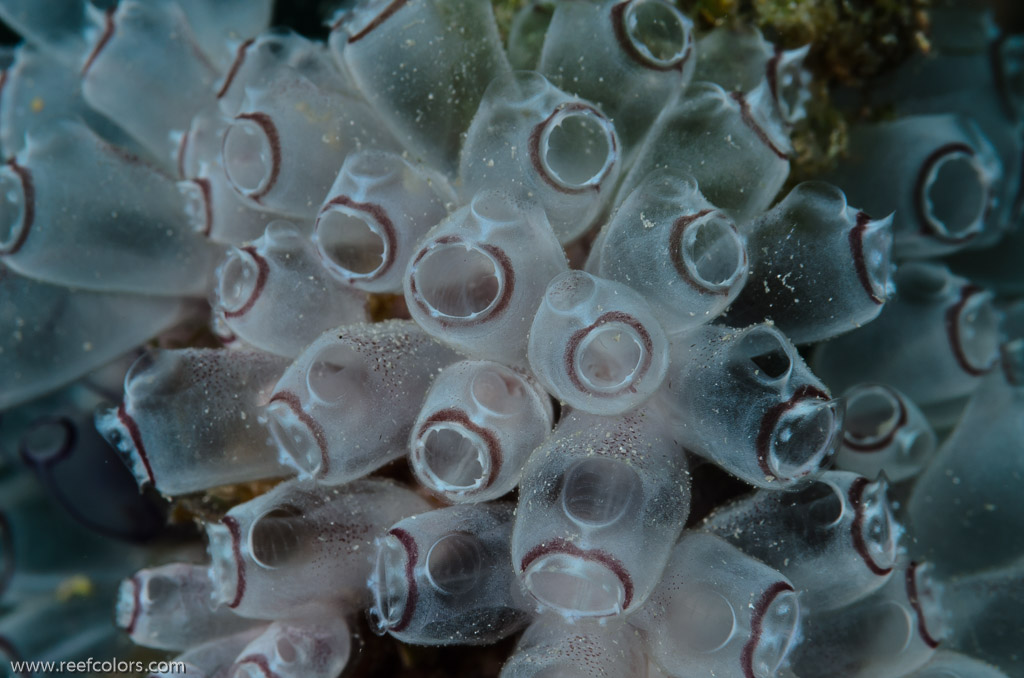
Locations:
(90, 665)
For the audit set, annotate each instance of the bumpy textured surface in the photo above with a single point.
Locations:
(478, 342)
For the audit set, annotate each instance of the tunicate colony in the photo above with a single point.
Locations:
(601, 297)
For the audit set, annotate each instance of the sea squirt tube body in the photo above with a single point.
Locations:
(36, 75)
(744, 134)
(540, 142)
(884, 432)
(323, 413)
(377, 210)
(442, 578)
(73, 223)
(596, 344)
(477, 427)
(183, 425)
(277, 282)
(670, 244)
(981, 607)
(551, 647)
(720, 611)
(600, 504)
(96, 327)
(478, 276)
(302, 543)
(212, 657)
(316, 644)
(946, 664)
(936, 172)
(145, 38)
(430, 106)
(953, 325)
(644, 46)
(284, 147)
(275, 55)
(841, 525)
(825, 266)
(976, 470)
(169, 608)
(168, 132)
(739, 58)
(745, 400)
(885, 635)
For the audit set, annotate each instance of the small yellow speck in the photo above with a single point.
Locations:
(38, 104)
(74, 586)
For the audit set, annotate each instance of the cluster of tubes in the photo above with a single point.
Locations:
(664, 416)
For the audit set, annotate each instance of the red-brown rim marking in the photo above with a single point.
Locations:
(619, 27)
(756, 623)
(926, 224)
(748, 119)
(3, 83)
(274, 139)
(224, 333)
(771, 419)
(412, 553)
(28, 216)
(259, 661)
(882, 442)
(293, 403)
(262, 272)
(563, 546)
(7, 551)
(236, 551)
(456, 416)
(675, 242)
(577, 337)
(377, 20)
(771, 73)
(133, 432)
(379, 215)
(497, 306)
(136, 604)
(953, 333)
(856, 495)
(857, 250)
(129, 157)
(922, 627)
(538, 132)
(772, 76)
(108, 32)
(235, 65)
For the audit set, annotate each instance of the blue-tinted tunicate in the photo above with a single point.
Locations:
(693, 349)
